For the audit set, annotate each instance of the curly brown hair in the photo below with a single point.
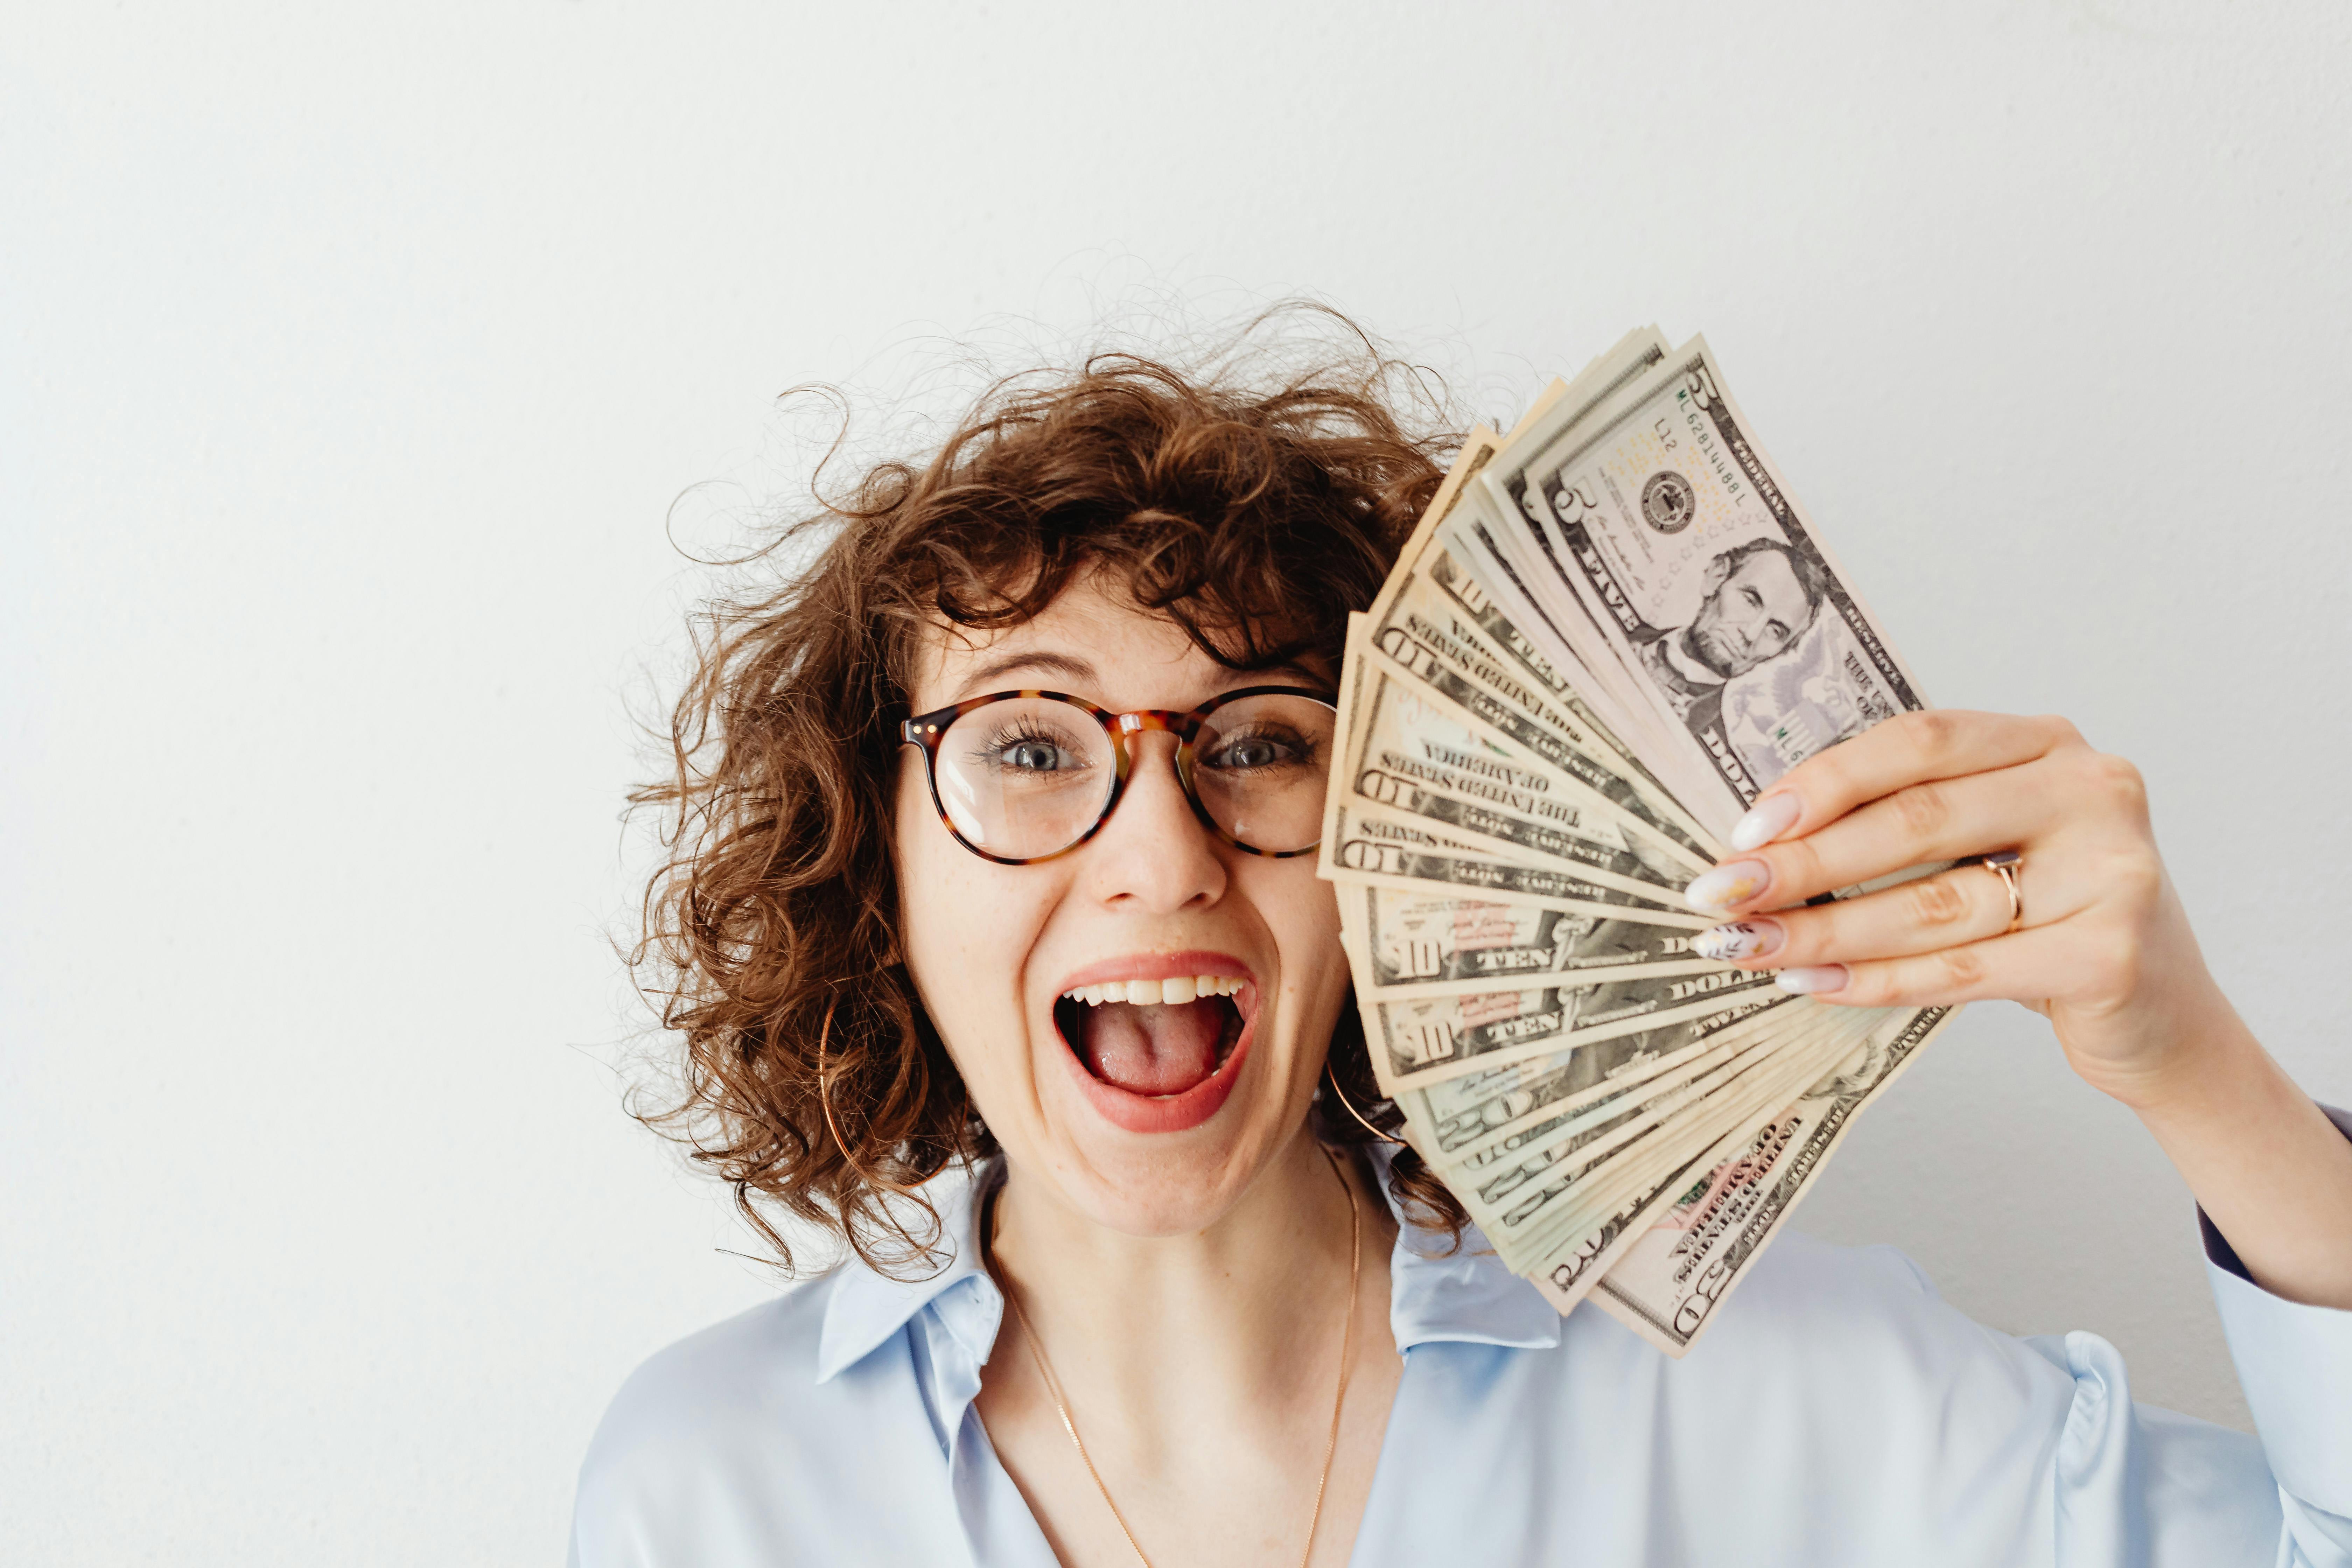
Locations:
(1255, 503)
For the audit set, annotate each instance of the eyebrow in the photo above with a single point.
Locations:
(1080, 674)
(1068, 666)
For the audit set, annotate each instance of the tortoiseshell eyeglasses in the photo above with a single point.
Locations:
(1022, 776)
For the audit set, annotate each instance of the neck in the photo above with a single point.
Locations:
(1212, 1320)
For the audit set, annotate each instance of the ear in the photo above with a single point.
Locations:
(1718, 571)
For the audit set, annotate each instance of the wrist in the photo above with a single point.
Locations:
(2272, 1172)
(2195, 1052)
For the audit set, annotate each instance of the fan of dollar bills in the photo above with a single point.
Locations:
(1611, 630)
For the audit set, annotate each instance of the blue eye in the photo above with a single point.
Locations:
(1025, 748)
(1262, 748)
(1035, 756)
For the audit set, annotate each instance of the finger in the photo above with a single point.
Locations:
(1908, 749)
(2030, 967)
(1940, 820)
(1952, 909)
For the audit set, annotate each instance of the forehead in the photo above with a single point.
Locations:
(1766, 569)
(1090, 641)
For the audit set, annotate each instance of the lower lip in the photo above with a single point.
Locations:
(1162, 1113)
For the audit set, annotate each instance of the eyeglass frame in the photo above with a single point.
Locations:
(928, 730)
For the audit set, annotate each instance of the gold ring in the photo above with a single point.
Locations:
(2006, 864)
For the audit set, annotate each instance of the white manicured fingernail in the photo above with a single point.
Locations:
(1767, 820)
(1728, 886)
(1740, 939)
(1806, 982)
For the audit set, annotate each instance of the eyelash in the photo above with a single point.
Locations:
(1022, 729)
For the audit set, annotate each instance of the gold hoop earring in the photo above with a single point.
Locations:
(825, 1092)
(1333, 1079)
(881, 1184)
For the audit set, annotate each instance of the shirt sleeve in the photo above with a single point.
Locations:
(2294, 1363)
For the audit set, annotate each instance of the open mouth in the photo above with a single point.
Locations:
(1157, 1038)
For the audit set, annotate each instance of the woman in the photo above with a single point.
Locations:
(1081, 1090)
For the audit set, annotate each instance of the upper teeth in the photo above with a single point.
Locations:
(1155, 992)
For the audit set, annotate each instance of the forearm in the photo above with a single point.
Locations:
(2268, 1167)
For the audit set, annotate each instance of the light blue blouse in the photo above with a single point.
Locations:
(1840, 1414)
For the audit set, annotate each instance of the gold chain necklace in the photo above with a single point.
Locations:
(1338, 1401)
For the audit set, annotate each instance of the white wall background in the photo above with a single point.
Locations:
(351, 363)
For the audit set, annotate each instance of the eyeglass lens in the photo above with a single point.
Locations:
(1031, 776)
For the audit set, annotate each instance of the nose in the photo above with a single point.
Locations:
(1153, 855)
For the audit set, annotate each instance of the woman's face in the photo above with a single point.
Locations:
(1152, 1118)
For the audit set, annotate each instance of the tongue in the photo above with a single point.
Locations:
(1162, 1049)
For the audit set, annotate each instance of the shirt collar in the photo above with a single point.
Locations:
(1462, 1294)
(868, 1308)
(1465, 1296)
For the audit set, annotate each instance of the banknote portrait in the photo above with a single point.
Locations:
(1646, 522)
(1761, 597)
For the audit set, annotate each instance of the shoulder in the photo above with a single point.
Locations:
(1834, 1362)
(724, 1438)
(1837, 1411)
(1810, 1322)
(752, 1375)
(1876, 1392)
(1814, 1322)
(1808, 1297)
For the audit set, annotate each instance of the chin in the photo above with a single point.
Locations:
(1721, 659)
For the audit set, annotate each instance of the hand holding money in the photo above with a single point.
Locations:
(1616, 678)
(2098, 941)
(1611, 635)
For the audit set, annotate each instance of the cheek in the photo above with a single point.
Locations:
(931, 889)
(1303, 914)
(967, 930)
